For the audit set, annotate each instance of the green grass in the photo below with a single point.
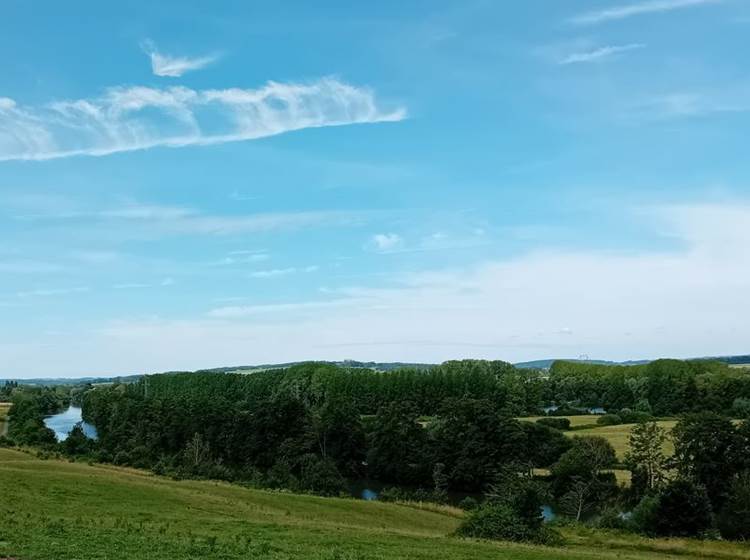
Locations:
(55, 510)
(619, 435)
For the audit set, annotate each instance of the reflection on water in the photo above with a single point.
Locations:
(63, 423)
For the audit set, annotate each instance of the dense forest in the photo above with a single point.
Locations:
(454, 427)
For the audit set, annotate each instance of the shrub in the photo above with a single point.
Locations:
(684, 510)
(741, 408)
(637, 417)
(609, 420)
(468, 504)
(562, 424)
(122, 458)
(495, 521)
(734, 519)
(6, 442)
(643, 517)
(612, 518)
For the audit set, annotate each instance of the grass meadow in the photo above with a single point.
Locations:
(56, 510)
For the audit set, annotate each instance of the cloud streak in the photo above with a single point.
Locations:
(138, 118)
(599, 54)
(174, 66)
(636, 9)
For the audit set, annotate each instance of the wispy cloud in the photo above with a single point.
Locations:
(691, 104)
(138, 219)
(174, 66)
(47, 292)
(275, 272)
(636, 9)
(238, 311)
(137, 118)
(599, 54)
(131, 286)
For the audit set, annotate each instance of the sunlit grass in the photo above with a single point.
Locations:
(55, 510)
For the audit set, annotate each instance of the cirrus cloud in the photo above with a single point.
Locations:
(137, 118)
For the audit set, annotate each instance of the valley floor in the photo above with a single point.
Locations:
(55, 510)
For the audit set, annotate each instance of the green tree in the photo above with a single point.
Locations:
(583, 463)
(683, 510)
(706, 451)
(645, 458)
(734, 518)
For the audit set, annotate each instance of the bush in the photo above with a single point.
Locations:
(637, 417)
(612, 518)
(741, 408)
(734, 519)
(468, 504)
(495, 521)
(609, 420)
(562, 424)
(122, 458)
(321, 476)
(6, 442)
(643, 518)
(684, 510)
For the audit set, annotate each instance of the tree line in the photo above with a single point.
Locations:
(314, 426)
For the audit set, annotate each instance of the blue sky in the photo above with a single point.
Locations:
(187, 186)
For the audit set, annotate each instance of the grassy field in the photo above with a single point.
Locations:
(619, 435)
(55, 510)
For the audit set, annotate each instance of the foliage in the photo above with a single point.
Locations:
(473, 440)
(645, 458)
(500, 522)
(583, 462)
(734, 519)
(562, 424)
(706, 451)
(683, 510)
(609, 420)
(512, 511)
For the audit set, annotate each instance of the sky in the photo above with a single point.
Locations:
(187, 185)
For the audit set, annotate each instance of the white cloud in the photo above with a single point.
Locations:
(690, 300)
(636, 9)
(600, 53)
(174, 66)
(385, 242)
(275, 272)
(689, 104)
(47, 292)
(239, 311)
(137, 118)
(136, 220)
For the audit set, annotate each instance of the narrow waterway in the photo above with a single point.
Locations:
(64, 422)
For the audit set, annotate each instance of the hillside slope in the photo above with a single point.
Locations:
(54, 510)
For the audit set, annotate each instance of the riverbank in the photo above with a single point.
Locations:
(56, 510)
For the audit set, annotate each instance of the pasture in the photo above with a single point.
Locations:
(56, 510)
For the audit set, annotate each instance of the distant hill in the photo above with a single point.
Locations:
(546, 364)
(377, 366)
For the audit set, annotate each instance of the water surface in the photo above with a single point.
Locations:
(64, 422)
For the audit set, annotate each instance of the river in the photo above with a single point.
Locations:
(64, 422)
